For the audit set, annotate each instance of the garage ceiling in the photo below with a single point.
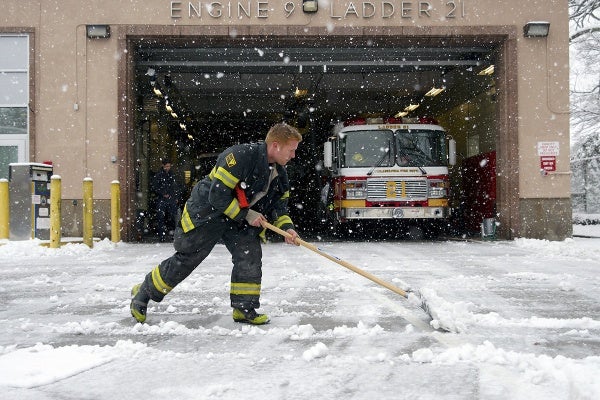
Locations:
(242, 78)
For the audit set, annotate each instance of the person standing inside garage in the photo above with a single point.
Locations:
(247, 186)
(166, 189)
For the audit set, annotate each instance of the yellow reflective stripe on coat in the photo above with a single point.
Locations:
(284, 219)
(226, 177)
(263, 236)
(252, 289)
(158, 282)
(233, 209)
(186, 220)
(286, 195)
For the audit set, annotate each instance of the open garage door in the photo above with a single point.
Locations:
(197, 96)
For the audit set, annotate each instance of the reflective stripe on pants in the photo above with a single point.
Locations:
(192, 247)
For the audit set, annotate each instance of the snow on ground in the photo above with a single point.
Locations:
(512, 320)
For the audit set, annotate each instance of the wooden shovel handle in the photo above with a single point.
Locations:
(339, 261)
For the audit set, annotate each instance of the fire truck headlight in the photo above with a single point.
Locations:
(438, 189)
(356, 194)
(437, 193)
(356, 190)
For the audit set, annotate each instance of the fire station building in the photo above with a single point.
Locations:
(107, 89)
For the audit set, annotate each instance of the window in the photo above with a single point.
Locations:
(14, 100)
(13, 120)
(367, 148)
(422, 147)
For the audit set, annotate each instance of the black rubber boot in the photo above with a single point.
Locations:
(139, 303)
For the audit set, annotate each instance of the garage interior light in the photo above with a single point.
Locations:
(300, 92)
(310, 6)
(411, 107)
(401, 114)
(487, 71)
(97, 31)
(536, 29)
(434, 91)
(162, 87)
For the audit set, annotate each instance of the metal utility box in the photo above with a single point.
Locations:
(29, 189)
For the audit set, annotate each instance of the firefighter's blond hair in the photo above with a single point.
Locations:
(282, 133)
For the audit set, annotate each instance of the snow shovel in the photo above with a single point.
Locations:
(409, 295)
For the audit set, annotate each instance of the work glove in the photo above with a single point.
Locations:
(255, 218)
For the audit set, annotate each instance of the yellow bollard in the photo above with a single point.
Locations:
(55, 211)
(4, 210)
(88, 211)
(115, 212)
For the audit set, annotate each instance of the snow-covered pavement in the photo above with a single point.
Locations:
(523, 318)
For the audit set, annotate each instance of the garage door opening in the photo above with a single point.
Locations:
(197, 96)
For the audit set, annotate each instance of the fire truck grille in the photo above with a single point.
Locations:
(396, 189)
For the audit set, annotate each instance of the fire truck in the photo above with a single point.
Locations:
(382, 173)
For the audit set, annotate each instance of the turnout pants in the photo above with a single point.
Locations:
(242, 241)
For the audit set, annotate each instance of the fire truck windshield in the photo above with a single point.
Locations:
(425, 148)
(384, 148)
(367, 148)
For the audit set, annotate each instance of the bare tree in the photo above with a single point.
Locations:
(583, 12)
(585, 70)
(584, 37)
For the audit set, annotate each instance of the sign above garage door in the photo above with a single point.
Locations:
(385, 10)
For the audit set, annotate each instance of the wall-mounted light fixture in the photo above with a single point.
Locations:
(310, 6)
(536, 29)
(97, 31)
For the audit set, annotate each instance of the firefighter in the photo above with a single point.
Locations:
(167, 199)
(248, 185)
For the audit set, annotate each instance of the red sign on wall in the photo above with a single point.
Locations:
(548, 163)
